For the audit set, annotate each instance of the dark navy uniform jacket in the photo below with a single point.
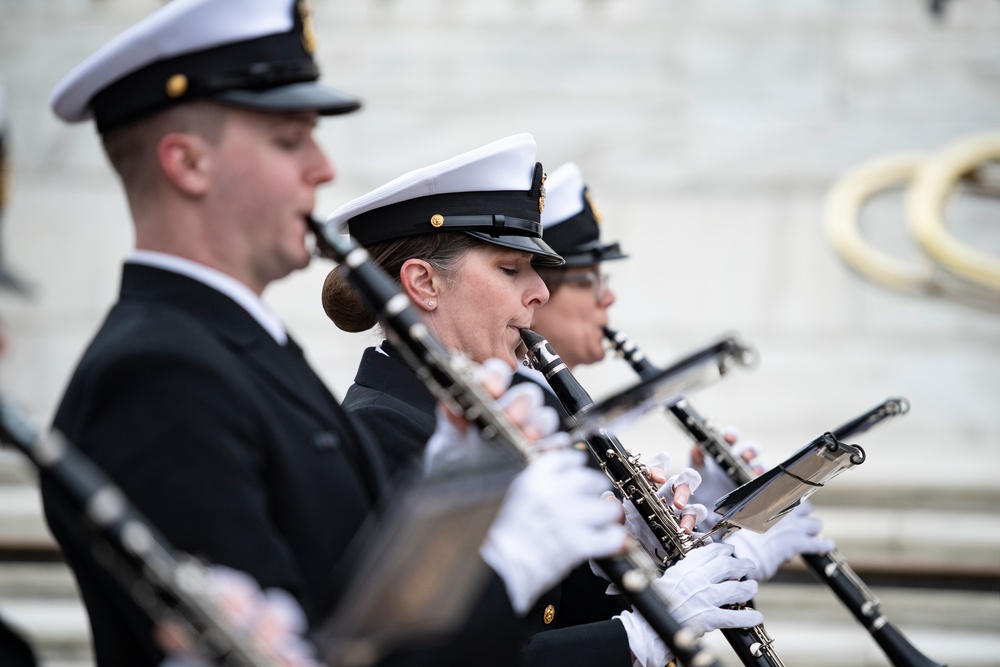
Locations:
(229, 443)
(14, 650)
(571, 625)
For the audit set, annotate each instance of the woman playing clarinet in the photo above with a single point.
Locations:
(463, 240)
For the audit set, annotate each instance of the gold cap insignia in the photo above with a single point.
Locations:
(549, 614)
(308, 31)
(4, 177)
(541, 196)
(176, 85)
(593, 209)
(437, 220)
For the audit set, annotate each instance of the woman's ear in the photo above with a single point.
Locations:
(184, 160)
(421, 283)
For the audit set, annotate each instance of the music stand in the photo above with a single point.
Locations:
(761, 502)
(415, 572)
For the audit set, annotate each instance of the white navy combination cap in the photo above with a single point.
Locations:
(255, 54)
(495, 193)
(571, 223)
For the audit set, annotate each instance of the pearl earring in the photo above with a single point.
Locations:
(431, 303)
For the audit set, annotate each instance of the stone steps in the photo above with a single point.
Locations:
(810, 627)
(42, 603)
(808, 624)
(902, 536)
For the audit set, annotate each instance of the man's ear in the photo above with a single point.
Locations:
(421, 283)
(184, 160)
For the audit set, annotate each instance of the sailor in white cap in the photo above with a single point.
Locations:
(495, 193)
(488, 201)
(253, 54)
(574, 323)
(480, 207)
(192, 396)
(574, 320)
(463, 240)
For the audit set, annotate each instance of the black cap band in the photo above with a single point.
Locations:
(265, 62)
(506, 218)
(494, 212)
(578, 239)
(451, 212)
(260, 64)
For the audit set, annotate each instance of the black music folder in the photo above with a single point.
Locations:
(414, 573)
(761, 502)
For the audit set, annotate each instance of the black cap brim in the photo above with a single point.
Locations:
(591, 256)
(303, 96)
(543, 254)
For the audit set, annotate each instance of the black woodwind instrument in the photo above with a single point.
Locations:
(753, 645)
(451, 378)
(167, 584)
(830, 568)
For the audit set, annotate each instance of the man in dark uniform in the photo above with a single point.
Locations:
(14, 650)
(192, 396)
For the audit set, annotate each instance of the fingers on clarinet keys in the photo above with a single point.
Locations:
(715, 482)
(751, 452)
(552, 520)
(495, 376)
(676, 491)
(525, 406)
(271, 620)
(795, 533)
(456, 443)
(453, 446)
(638, 529)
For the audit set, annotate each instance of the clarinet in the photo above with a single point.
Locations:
(753, 645)
(168, 584)
(830, 568)
(451, 378)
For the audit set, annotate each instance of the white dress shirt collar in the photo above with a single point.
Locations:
(218, 281)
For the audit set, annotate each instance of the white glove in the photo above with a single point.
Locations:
(271, 621)
(695, 588)
(552, 520)
(795, 533)
(450, 446)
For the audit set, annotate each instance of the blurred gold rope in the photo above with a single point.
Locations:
(948, 267)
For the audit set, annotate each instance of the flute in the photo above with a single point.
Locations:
(753, 645)
(451, 378)
(830, 568)
(169, 585)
